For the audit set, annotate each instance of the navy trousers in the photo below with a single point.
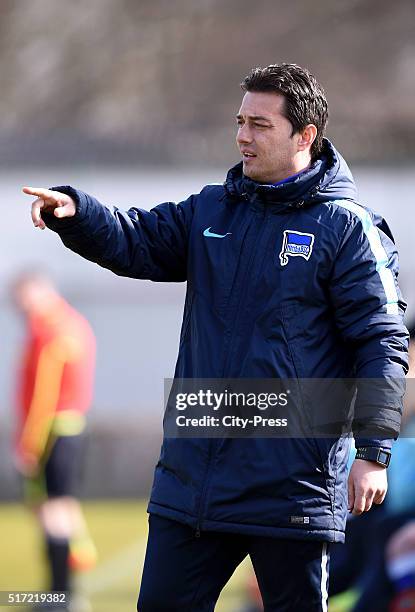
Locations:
(186, 572)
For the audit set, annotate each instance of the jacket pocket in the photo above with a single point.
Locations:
(292, 331)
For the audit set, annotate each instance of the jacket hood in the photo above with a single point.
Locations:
(328, 178)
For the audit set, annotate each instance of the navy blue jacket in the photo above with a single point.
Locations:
(302, 284)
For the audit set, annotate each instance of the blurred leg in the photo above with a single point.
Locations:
(349, 561)
(60, 515)
(62, 518)
(376, 588)
(56, 524)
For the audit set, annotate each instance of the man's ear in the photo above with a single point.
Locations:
(306, 137)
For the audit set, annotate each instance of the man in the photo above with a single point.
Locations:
(287, 277)
(55, 391)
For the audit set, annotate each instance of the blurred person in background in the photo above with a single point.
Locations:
(377, 561)
(55, 387)
(287, 277)
(388, 581)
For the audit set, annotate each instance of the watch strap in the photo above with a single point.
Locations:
(371, 453)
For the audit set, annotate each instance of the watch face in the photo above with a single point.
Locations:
(383, 457)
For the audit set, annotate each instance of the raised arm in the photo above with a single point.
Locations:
(136, 243)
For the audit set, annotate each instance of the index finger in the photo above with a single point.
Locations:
(40, 192)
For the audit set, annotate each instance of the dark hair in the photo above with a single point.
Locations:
(305, 100)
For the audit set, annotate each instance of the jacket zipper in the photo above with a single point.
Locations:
(262, 229)
(236, 319)
(204, 490)
(244, 293)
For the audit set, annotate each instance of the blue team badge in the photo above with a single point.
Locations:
(296, 244)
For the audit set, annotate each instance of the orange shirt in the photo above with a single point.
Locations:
(56, 380)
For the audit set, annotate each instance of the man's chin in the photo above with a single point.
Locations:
(251, 173)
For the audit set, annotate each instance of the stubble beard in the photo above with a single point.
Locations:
(254, 174)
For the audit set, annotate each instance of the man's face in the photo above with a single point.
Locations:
(265, 138)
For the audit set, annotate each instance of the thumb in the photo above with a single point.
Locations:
(61, 211)
(350, 493)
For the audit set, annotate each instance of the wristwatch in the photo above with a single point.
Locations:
(371, 453)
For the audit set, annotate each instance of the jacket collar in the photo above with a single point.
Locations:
(327, 178)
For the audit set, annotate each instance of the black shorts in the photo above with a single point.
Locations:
(61, 474)
(62, 471)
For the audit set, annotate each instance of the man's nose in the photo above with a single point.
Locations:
(243, 135)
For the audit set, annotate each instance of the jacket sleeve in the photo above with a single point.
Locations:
(369, 309)
(136, 243)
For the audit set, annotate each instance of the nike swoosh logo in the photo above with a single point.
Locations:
(210, 234)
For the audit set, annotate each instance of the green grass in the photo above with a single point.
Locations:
(119, 529)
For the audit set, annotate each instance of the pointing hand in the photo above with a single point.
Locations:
(59, 204)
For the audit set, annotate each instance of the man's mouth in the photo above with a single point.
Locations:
(246, 155)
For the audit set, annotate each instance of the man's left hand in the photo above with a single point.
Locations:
(367, 485)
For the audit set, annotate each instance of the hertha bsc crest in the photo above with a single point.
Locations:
(296, 244)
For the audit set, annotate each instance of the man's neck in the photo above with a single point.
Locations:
(289, 178)
(299, 166)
